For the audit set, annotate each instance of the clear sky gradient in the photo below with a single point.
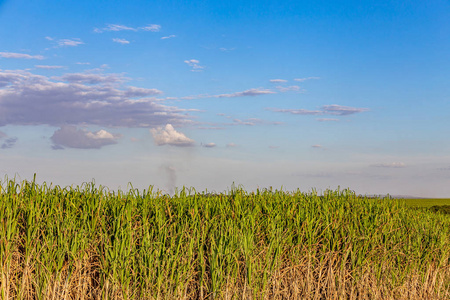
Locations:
(292, 94)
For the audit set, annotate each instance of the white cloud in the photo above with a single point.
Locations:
(340, 110)
(83, 63)
(253, 122)
(390, 165)
(20, 55)
(93, 78)
(29, 99)
(151, 27)
(226, 49)
(243, 122)
(317, 146)
(250, 92)
(306, 78)
(70, 42)
(297, 111)
(121, 41)
(284, 89)
(70, 136)
(209, 145)
(118, 27)
(114, 27)
(169, 136)
(48, 67)
(194, 64)
(231, 145)
(278, 80)
(168, 37)
(48, 38)
(333, 109)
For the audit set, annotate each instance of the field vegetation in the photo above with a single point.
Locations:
(426, 202)
(88, 242)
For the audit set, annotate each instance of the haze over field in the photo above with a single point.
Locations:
(298, 94)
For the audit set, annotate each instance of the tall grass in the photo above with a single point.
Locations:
(88, 242)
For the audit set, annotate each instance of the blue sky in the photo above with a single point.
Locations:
(297, 94)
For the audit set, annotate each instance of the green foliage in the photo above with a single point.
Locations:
(88, 240)
(445, 209)
(425, 202)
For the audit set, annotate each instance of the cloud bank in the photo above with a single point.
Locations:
(81, 99)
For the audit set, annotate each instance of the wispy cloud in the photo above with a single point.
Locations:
(119, 27)
(305, 79)
(340, 110)
(114, 27)
(444, 169)
(168, 37)
(121, 41)
(297, 111)
(83, 63)
(20, 55)
(194, 64)
(70, 136)
(223, 49)
(292, 88)
(169, 136)
(253, 122)
(390, 165)
(247, 93)
(250, 92)
(278, 80)
(70, 42)
(29, 99)
(151, 27)
(48, 67)
(94, 78)
(315, 175)
(317, 146)
(327, 120)
(209, 145)
(9, 143)
(231, 145)
(334, 109)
